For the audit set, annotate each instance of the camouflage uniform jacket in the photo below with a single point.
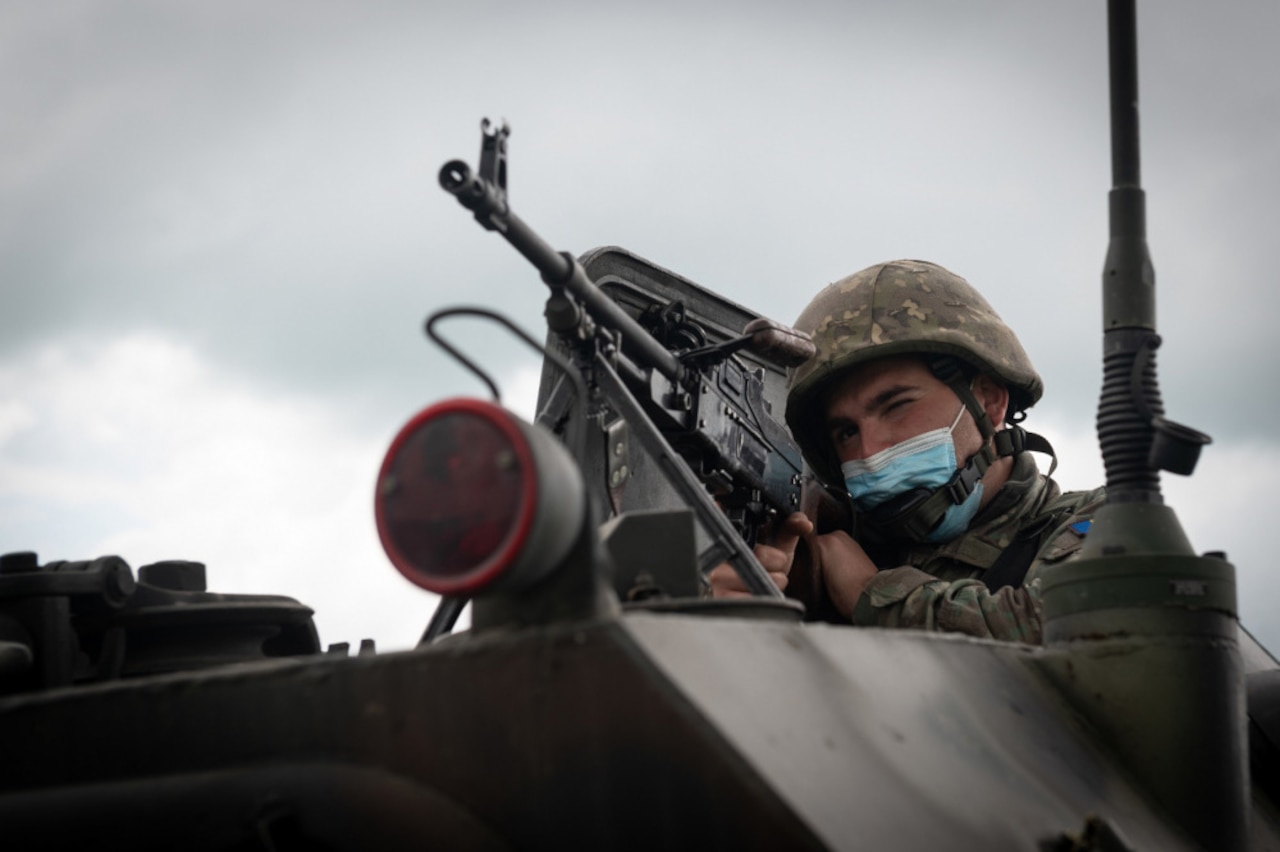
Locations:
(941, 587)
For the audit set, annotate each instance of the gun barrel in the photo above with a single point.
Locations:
(473, 192)
(484, 194)
(558, 269)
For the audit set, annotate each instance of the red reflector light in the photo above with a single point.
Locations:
(457, 494)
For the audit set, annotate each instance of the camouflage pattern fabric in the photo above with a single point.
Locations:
(940, 587)
(905, 307)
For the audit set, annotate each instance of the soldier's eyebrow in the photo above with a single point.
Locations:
(876, 404)
(887, 396)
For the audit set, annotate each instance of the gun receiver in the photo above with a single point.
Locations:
(697, 409)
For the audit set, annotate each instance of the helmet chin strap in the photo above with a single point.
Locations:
(913, 515)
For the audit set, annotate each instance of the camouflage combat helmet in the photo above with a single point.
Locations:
(905, 307)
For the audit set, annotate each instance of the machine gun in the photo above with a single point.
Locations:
(697, 409)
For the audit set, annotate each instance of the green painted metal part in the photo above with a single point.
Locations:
(1141, 637)
(1186, 582)
(634, 732)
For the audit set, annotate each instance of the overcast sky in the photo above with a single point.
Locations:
(220, 231)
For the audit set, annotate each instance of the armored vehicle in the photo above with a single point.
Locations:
(598, 699)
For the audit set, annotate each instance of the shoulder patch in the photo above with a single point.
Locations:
(1068, 539)
(1064, 544)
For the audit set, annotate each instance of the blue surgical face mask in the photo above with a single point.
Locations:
(926, 461)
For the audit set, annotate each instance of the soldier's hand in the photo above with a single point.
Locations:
(775, 557)
(846, 569)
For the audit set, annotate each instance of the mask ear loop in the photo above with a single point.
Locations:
(1008, 442)
(947, 370)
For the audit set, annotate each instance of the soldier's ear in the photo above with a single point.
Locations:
(992, 395)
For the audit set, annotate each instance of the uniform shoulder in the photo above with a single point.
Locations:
(1067, 519)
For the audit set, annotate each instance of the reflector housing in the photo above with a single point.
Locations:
(457, 495)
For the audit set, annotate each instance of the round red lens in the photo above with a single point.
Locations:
(453, 497)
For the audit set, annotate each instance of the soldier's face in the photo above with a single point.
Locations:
(890, 400)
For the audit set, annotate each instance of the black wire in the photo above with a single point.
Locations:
(451, 607)
(580, 387)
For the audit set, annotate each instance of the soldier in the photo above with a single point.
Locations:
(912, 405)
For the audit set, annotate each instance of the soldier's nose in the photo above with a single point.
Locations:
(872, 441)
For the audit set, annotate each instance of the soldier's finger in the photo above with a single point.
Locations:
(725, 581)
(786, 535)
(773, 560)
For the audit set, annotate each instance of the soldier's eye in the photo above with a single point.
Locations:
(840, 434)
